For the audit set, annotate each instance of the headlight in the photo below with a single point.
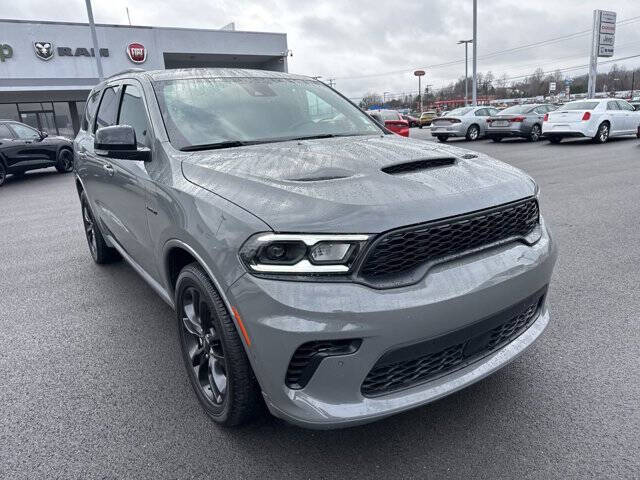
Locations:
(282, 253)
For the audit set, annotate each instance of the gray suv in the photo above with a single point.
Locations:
(318, 264)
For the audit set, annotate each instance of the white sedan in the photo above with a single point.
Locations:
(597, 119)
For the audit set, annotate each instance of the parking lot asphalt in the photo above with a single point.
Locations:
(93, 385)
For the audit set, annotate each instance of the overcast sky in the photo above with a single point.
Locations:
(359, 41)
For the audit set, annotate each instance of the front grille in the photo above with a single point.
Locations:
(425, 361)
(400, 252)
(307, 357)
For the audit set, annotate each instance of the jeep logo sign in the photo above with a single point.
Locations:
(136, 52)
(5, 51)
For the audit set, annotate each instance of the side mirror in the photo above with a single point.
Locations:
(119, 141)
(43, 135)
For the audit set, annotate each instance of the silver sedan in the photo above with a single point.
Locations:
(468, 122)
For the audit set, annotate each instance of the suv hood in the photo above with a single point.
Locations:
(336, 185)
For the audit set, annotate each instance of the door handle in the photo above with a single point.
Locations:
(109, 169)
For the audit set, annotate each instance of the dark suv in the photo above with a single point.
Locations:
(317, 263)
(23, 148)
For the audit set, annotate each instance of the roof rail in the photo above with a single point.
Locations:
(127, 70)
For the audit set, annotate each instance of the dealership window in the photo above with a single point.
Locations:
(62, 115)
(133, 113)
(9, 111)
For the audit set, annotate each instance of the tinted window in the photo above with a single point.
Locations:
(481, 113)
(390, 115)
(541, 109)
(108, 108)
(518, 109)
(580, 105)
(134, 113)
(25, 133)
(90, 111)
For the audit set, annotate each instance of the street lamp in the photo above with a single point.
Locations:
(466, 68)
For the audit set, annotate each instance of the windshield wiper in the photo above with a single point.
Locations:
(213, 146)
(328, 135)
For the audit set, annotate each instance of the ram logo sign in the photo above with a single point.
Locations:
(136, 52)
(44, 50)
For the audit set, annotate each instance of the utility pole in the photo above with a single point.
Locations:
(96, 49)
(633, 78)
(475, 53)
(466, 69)
(426, 88)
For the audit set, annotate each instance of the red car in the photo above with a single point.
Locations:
(392, 120)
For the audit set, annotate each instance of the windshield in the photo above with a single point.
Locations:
(459, 111)
(518, 109)
(236, 111)
(579, 106)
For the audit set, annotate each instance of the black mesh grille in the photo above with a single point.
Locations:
(416, 165)
(307, 357)
(420, 363)
(403, 250)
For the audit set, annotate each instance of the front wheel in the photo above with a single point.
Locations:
(213, 354)
(473, 132)
(534, 136)
(602, 135)
(3, 173)
(64, 164)
(442, 138)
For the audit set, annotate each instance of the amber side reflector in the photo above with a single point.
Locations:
(241, 325)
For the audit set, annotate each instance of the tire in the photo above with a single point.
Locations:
(64, 163)
(98, 248)
(535, 134)
(554, 139)
(602, 135)
(213, 354)
(442, 138)
(473, 133)
(496, 139)
(3, 173)
(420, 126)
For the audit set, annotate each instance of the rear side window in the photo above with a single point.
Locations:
(625, 106)
(90, 110)
(134, 114)
(25, 133)
(108, 108)
(4, 131)
(613, 105)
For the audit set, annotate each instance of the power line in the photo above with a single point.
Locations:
(546, 42)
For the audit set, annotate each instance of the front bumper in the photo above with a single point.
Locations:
(281, 315)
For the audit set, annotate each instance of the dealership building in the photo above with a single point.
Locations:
(48, 68)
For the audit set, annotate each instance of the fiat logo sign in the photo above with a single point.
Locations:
(136, 52)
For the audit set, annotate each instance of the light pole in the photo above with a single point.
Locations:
(466, 68)
(475, 51)
(384, 99)
(94, 37)
(419, 74)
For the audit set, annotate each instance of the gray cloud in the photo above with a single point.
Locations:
(336, 38)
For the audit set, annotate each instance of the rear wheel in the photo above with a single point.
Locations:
(213, 354)
(100, 251)
(534, 136)
(473, 132)
(554, 139)
(602, 135)
(496, 139)
(3, 174)
(442, 138)
(64, 163)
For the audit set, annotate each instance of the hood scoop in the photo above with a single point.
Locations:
(417, 165)
(323, 174)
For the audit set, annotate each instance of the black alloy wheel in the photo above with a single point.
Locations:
(65, 161)
(3, 173)
(213, 353)
(534, 136)
(89, 230)
(202, 343)
(100, 251)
